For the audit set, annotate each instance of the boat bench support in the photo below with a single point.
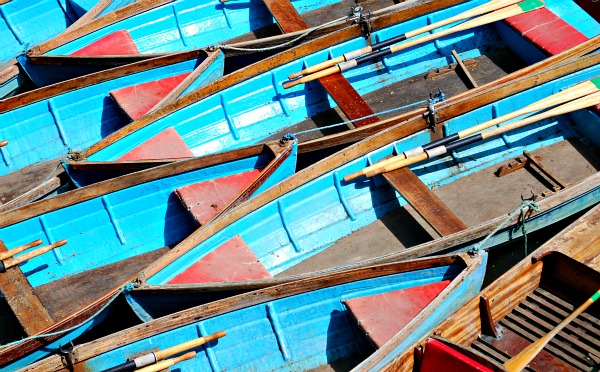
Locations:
(23, 301)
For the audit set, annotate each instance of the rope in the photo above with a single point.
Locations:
(51, 334)
(521, 209)
(291, 42)
(435, 99)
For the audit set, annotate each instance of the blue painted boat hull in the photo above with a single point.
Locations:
(125, 217)
(306, 216)
(59, 114)
(295, 326)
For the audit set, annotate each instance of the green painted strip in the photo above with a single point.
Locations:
(529, 5)
(596, 296)
(596, 82)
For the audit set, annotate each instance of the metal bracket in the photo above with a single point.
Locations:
(67, 356)
(76, 155)
(363, 19)
(431, 116)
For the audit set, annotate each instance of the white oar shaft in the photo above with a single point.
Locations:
(164, 364)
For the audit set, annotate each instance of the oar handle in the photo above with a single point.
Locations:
(311, 77)
(14, 261)
(162, 354)
(164, 364)
(12, 252)
(3, 143)
(318, 67)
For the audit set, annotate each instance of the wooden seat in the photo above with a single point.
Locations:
(138, 99)
(116, 43)
(383, 315)
(168, 144)
(232, 261)
(205, 199)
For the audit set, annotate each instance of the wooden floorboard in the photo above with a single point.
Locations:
(62, 297)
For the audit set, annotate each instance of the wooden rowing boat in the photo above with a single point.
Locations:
(518, 308)
(316, 211)
(321, 321)
(164, 26)
(251, 104)
(82, 111)
(24, 24)
(104, 234)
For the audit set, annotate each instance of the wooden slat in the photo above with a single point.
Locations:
(286, 15)
(23, 301)
(342, 92)
(348, 99)
(426, 203)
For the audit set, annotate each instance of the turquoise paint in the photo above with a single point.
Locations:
(78, 118)
(299, 332)
(317, 218)
(199, 23)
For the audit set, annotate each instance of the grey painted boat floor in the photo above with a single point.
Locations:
(465, 197)
(487, 68)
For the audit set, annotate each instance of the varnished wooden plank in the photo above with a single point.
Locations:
(426, 203)
(287, 17)
(22, 299)
(348, 99)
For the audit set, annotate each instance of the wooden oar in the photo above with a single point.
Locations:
(520, 361)
(569, 94)
(578, 104)
(477, 11)
(12, 252)
(3, 143)
(510, 11)
(14, 261)
(152, 359)
(167, 363)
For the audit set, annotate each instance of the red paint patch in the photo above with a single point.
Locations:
(205, 199)
(117, 43)
(441, 357)
(383, 315)
(168, 144)
(137, 100)
(546, 30)
(232, 261)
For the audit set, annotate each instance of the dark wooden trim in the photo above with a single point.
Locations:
(549, 69)
(108, 60)
(117, 165)
(179, 89)
(425, 202)
(101, 188)
(198, 313)
(9, 70)
(34, 194)
(406, 10)
(90, 15)
(96, 24)
(23, 301)
(96, 78)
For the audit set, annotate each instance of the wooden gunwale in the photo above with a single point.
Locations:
(103, 21)
(9, 70)
(95, 78)
(111, 60)
(378, 140)
(580, 241)
(101, 188)
(198, 313)
(408, 10)
(90, 15)
(557, 65)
